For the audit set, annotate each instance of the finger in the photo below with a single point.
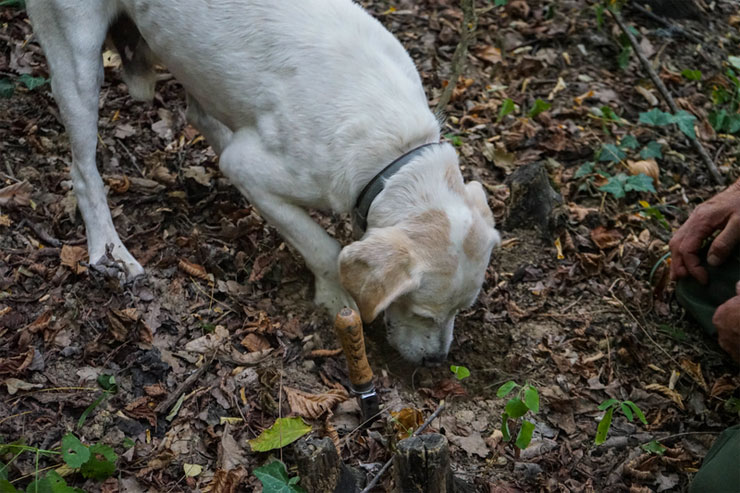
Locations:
(724, 243)
(693, 265)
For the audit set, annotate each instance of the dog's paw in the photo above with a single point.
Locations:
(116, 261)
(332, 296)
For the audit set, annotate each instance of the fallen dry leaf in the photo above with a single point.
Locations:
(255, 342)
(471, 444)
(312, 406)
(17, 194)
(71, 256)
(671, 394)
(142, 408)
(209, 342)
(605, 238)
(227, 481)
(194, 270)
(694, 371)
(406, 421)
(16, 364)
(646, 166)
(14, 385)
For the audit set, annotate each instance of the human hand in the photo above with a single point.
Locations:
(727, 321)
(720, 212)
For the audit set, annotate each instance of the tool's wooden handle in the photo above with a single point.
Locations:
(348, 326)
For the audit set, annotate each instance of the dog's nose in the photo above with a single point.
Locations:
(433, 360)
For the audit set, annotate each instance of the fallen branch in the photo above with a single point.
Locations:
(385, 467)
(666, 95)
(467, 33)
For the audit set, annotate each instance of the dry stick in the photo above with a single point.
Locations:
(385, 467)
(666, 95)
(467, 33)
(173, 397)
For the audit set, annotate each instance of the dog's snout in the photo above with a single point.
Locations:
(433, 360)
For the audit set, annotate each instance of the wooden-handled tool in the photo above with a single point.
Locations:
(348, 326)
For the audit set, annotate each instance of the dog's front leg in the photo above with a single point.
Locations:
(266, 182)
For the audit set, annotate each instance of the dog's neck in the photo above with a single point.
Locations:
(431, 181)
(377, 183)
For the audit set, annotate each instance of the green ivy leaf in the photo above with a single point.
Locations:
(539, 107)
(21, 4)
(274, 478)
(637, 411)
(651, 150)
(654, 447)
(656, 117)
(629, 142)
(504, 390)
(516, 408)
(102, 463)
(74, 453)
(7, 88)
(604, 425)
(733, 123)
(3, 470)
(532, 399)
(108, 383)
(525, 435)
(32, 82)
(627, 411)
(500, 3)
(584, 169)
(734, 61)
(611, 153)
(639, 183)
(615, 186)
(505, 427)
(609, 114)
(685, 121)
(691, 74)
(607, 403)
(460, 372)
(283, 432)
(506, 107)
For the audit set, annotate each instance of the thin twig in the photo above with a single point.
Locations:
(661, 20)
(666, 95)
(172, 398)
(385, 467)
(467, 33)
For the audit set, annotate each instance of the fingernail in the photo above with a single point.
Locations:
(713, 260)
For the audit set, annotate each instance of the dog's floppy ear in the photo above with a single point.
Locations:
(377, 270)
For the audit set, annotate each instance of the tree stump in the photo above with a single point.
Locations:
(320, 469)
(533, 201)
(422, 465)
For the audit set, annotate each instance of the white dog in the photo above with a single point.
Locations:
(306, 102)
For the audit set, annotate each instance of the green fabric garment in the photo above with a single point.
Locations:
(720, 471)
(701, 301)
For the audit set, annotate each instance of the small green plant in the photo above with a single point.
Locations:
(538, 107)
(732, 405)
(460, 372)
(689, 74)
(725, 117)
(455, 139)
(654, 447)
(21, 4)
(94, 461)
(506, 107)
(275, 479)
(628, 408)
(527, 399)
(109, 386)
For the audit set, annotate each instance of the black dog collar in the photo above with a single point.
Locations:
(376, 185)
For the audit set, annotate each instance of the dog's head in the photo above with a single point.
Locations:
(425, 267)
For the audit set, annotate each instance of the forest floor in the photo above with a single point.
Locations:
(585, 318)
